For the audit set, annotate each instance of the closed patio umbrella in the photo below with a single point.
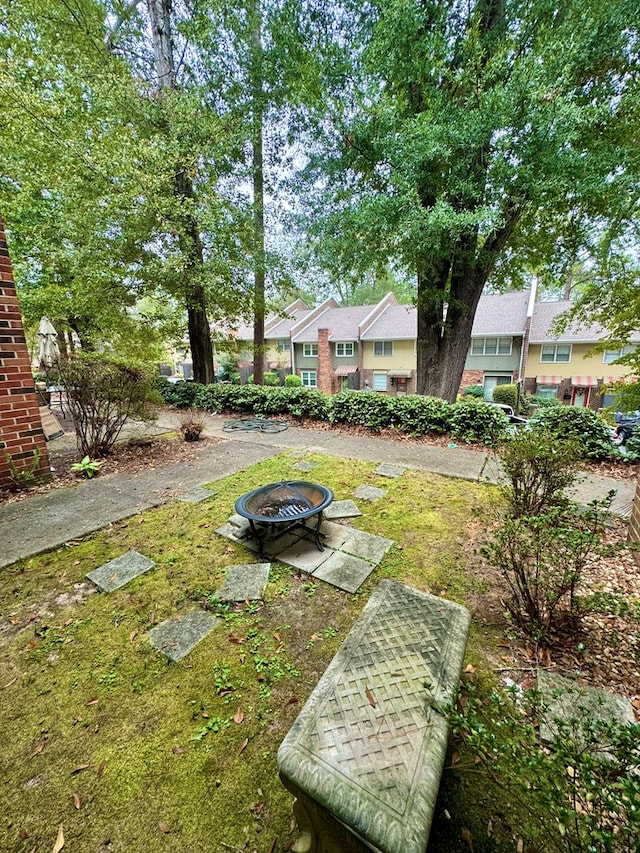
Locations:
(49, 352)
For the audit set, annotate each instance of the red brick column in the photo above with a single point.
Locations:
(21, 432)
(325, 371)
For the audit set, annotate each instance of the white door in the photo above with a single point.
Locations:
(490, 383)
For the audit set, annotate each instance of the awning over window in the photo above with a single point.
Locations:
(399, 374)
(584, 381)
(548, 380)
(346, 369)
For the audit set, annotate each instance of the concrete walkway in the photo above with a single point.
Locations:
(46, 521)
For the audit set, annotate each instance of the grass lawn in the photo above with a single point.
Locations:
(125, 751)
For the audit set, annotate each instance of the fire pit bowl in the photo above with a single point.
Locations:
(279, 508)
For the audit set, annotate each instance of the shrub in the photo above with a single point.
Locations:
(473, 421)
(474, 391)
(375, 411)
(538, 468)
(583, 426)
(632, 446)
(272, 378)
(292, 380)
(507, 395)
(570, 798)
(26, 476)
(103, 394)
(419, 415)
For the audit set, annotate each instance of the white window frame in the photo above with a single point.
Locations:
(379, 382)
(283, 345)
(344, 346)
(611, 355)
(552, 350)
(479, 346)
(310, 350)
(383, 345)
(309, 378)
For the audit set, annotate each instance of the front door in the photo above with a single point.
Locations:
(580, 398)
(401, 386)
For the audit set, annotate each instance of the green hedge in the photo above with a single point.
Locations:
(507, 395)
(585, 426)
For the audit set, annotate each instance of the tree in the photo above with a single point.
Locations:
(469, 138)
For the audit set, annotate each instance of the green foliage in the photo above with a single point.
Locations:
(583, 426)
(544, 402)
(539, 467)
(271, 378)
(420, 415)
(632, 447)
(474, 421)
(292, 380)
(375, 411)
(182, 395)
(579, 793)
(23, 477)
(103, 394)
(474, 391)
(507, 395)
(87, 466)
(227, 368)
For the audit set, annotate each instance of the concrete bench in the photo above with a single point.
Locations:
(365, 755)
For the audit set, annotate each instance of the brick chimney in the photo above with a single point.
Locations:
(21, 434)
(325, 371)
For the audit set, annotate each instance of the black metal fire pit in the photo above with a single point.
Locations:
(280, 508)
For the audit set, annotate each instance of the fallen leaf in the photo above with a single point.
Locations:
(291, 701)
(277, 637)
(163, 827)
(238, 717)
(177, 618)
(241, 658)
(93, 701)
(9, 683)
(133, 635)
(57, 847)
(455, 758)
(279, 648)
(141, 521)
(470, 668)
(245, 743)
(67, 623)
(79, 769)
(37, 750)
(370, 697)
(520, 846)
(490, 828)
(178, 750)
(23, 835)
(14, 620)
(467, 837)
(100, 770)
(76, 800)
(234, 638)
(273, 845)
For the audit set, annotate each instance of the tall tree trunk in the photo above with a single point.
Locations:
(190, 243)
(259, 271)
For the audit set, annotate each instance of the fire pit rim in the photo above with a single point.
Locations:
(243, 500)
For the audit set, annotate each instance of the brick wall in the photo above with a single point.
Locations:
(471, 377)
(21, 432)
(325, 375)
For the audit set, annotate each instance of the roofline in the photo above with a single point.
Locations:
(388, 299)
(313, 315)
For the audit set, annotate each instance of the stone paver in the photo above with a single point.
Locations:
(335, 535)
(195, 496)
(244, 583)
(344, 571)
(367, 545)
(120, 571)
(176, 637)
(230, 531)
(369, 493)
(341, 509)
(304, 555)
(389, 470)
(305, 466)
(565, 701)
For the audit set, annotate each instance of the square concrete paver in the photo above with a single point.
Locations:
(389, 470)
(305, 466)
(118, 572)
(366, 545)
(344, 571)
(369, 493)
(305, 556)
(335, 535)
(176, 637)
(342, 509)
(244, 583)
(230, 531)
(194, 496)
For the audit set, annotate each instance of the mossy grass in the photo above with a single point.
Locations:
(130, 752)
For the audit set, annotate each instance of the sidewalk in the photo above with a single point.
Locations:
(46, 521)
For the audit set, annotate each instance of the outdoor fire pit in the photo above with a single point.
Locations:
(280, 508)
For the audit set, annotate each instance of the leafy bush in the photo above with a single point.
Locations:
(419, 415)
(538, 468)
(583, 426)
(474, 391)
(544, 402)
(570, 797)
(507, 395)
(103, 394)
(292, 380)
(473, 421)
(271, 378)
(375, 411)
(22, 475)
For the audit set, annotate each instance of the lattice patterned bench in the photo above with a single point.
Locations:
(365, 755)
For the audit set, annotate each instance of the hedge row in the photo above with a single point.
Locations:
(468, 420)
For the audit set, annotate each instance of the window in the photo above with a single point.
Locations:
(491, 346)
(284, 345)
(547, 392)
(379, 381)
(343, 350)
(309, 350)
(309, 378)
(555, 352)
(383, 348)
(611, 355)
